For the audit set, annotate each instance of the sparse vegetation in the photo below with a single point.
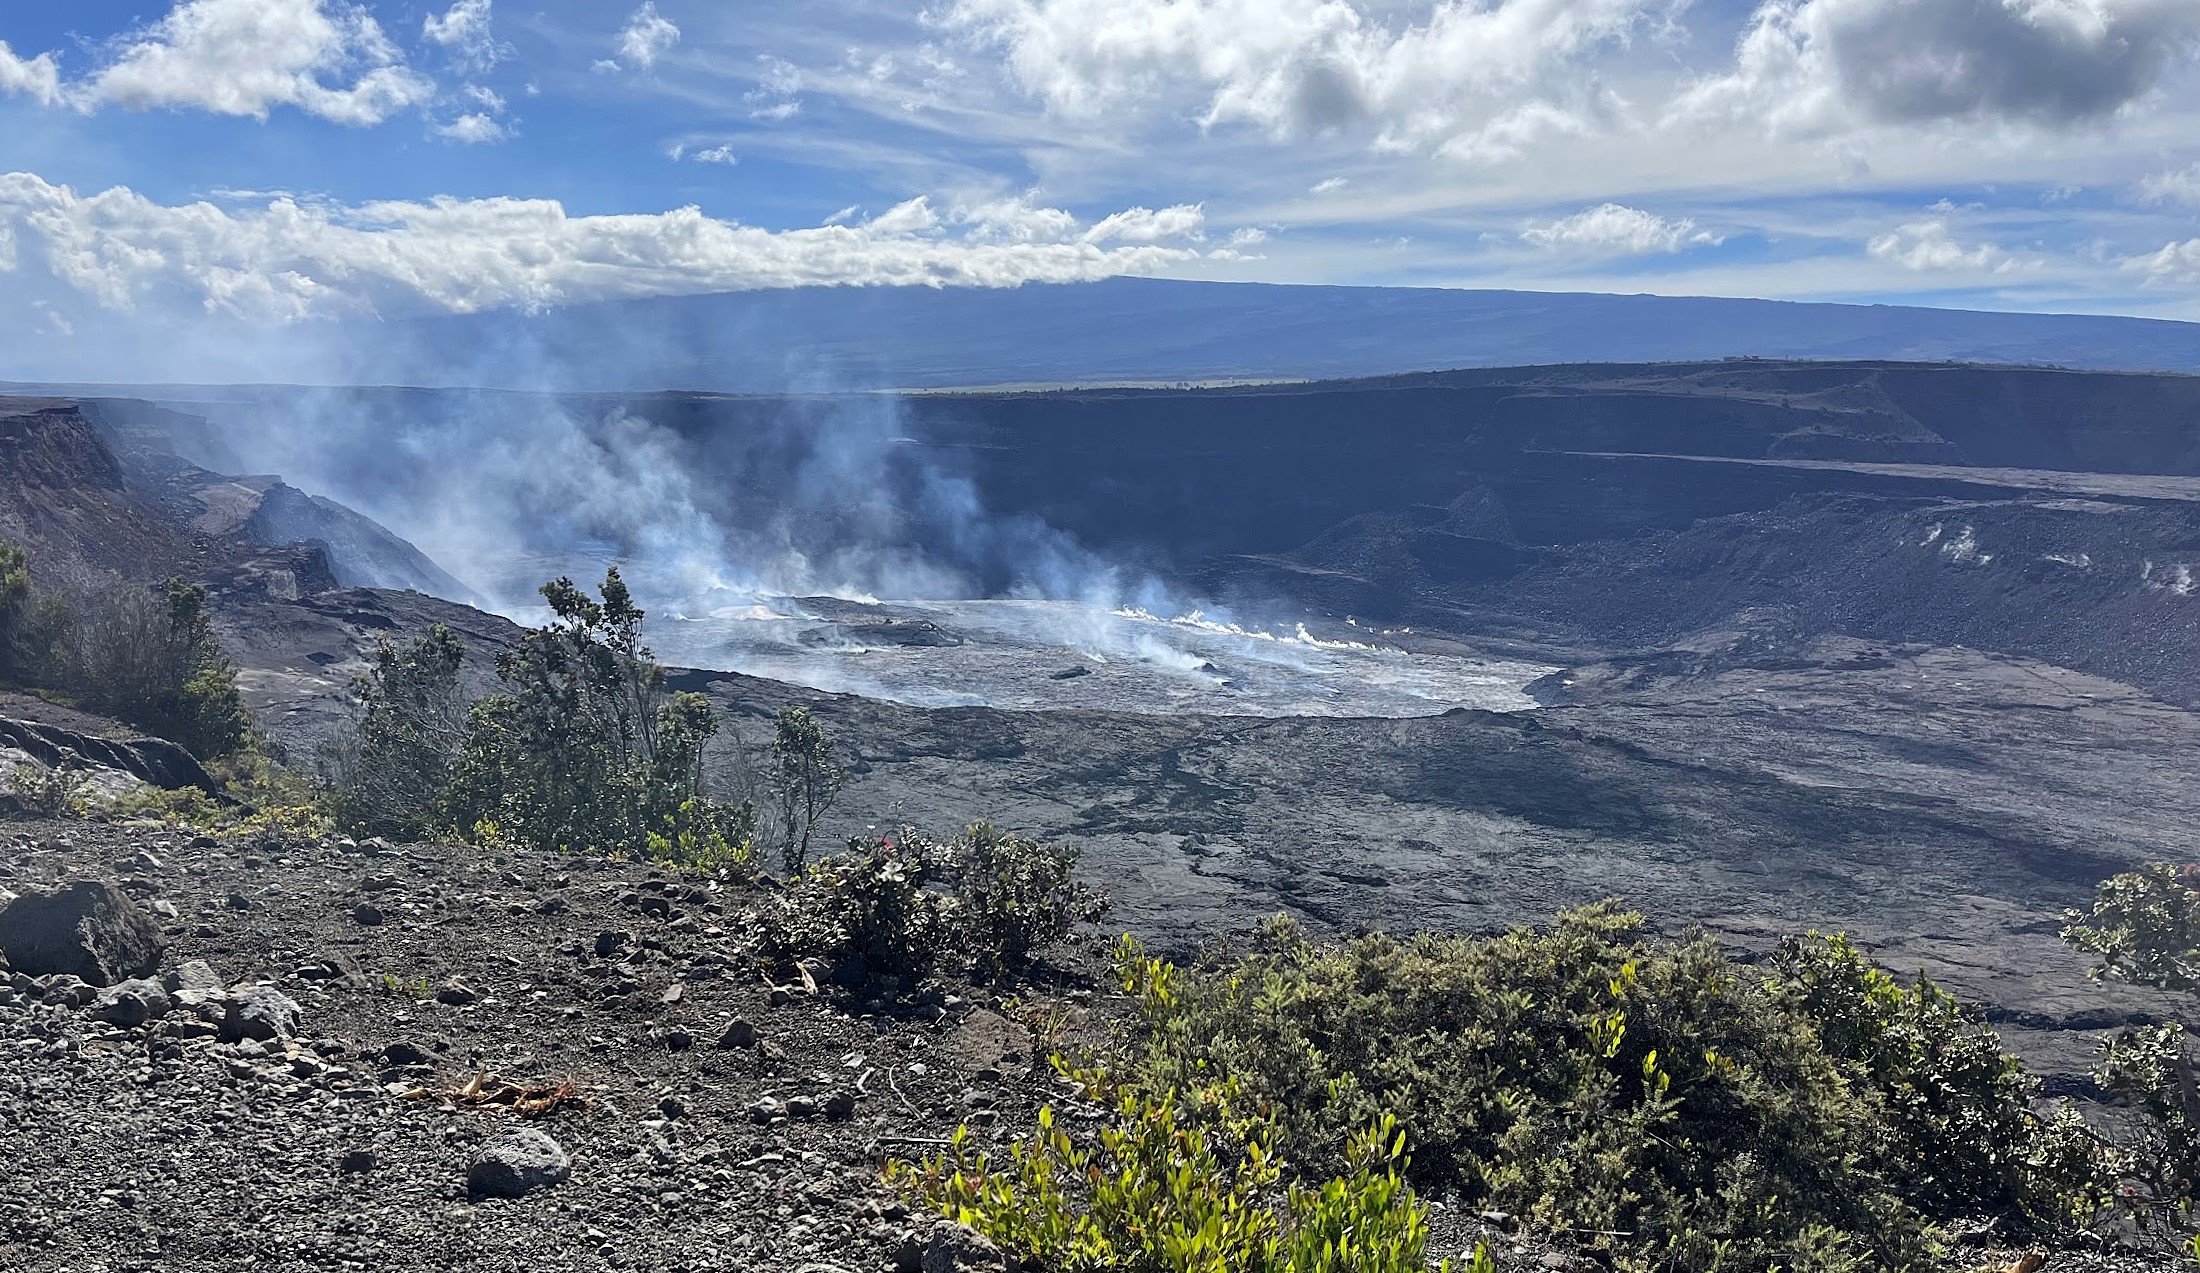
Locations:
(2145, 926)
(391, 772)
(905, 906)
(805, 781)
(145, 657)
(583, 749)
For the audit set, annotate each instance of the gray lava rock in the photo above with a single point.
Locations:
(194, 982)
(457, 993)
(260, 1012)
(956, 1248)
(739, 1034)
(516, 1164)
(132, 1003)
(86, 928)
(367, 915)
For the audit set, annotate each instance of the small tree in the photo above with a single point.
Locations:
(584, 749)
(805, 780)
(2145, 926)
(390, 774)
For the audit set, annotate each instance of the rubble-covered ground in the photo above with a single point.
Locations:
(355, 1050)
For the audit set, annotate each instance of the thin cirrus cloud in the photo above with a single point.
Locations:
(1617, 230)
(290, 259)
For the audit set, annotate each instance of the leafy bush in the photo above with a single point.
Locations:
(2145, 926)
(1962, 1137)
(584, 750)
(1172, 1182)
(148, 658)
(390, 772)
(907, 906)
(1653, 1101)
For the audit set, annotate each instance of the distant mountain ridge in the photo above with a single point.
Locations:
(1151, 330)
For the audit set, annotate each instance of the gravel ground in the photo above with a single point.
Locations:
(713, 1120)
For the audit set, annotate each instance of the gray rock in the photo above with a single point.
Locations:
(194, 982)
(260, 1012)
(517, 1164)
(65, 988)
(457, 993)
(957, 1248)
(739, 1034)
(132, 1003)
(367, 915)
(86, 928)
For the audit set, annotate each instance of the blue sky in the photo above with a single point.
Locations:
(276, 161)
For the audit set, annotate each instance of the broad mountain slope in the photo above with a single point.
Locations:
(1160, 330)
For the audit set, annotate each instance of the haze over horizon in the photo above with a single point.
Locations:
(262, 165)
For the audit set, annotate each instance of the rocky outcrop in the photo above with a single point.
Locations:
(85, 929)
(154, 761)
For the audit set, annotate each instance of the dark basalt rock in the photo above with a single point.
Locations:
(87, 929)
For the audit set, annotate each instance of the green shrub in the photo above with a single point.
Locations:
(1962, 1137)
(584, 750)
(15, 596)
(390, 772)
(1652, 1101)
(908, 906)
(1177, 1182)
(2145, 926)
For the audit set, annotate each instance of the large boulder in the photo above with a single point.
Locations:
(516, 1164)
(86, 928)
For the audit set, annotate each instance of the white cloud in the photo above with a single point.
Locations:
(2175, 263)
(472, 130)
(647, 36)
(2173, 187)
(1330, 185)
(1823, 65)
(466, 31)
(1145, 225)
(1016, 220)
(38, 78)
(777, 83)
(1294, 68)
(1929, 245)
(1613, 228)
(292, 260)
(716, 155)
(246, 57)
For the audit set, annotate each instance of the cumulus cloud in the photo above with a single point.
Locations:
(1300, 67)
(465, 30)
(476, 129)
(294, 259)
(1821, 65)
(2173, 187)
(647, 36)
(2175, 263)
(1146, 225)
(38, 78)
(1930, 245)
(247, 57)
(1616, 229)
